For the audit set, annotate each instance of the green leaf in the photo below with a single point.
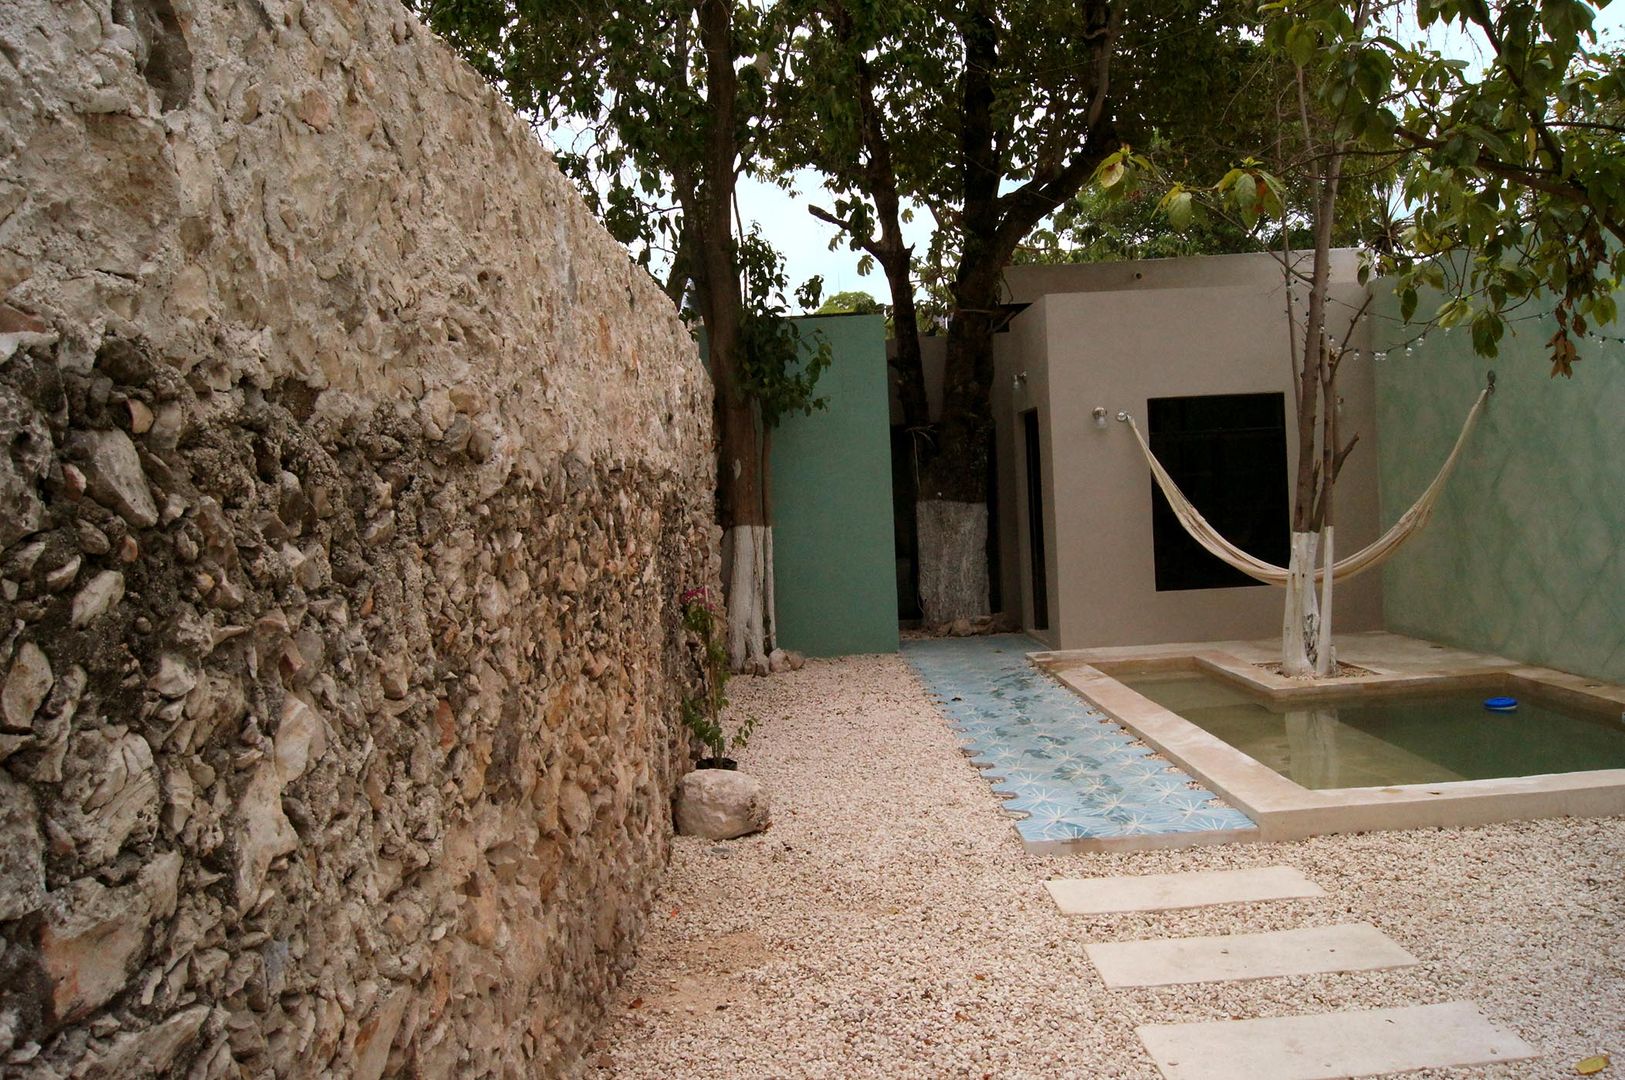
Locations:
(1453, 311)
(1299, 45)
(1179, 206)
(1487, 330)
(1246, 195)
(1407, 304)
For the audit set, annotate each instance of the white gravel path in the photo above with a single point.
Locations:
(890, 924)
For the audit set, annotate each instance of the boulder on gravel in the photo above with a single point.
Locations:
(720, 804)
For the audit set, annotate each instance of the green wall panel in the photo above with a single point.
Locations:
(833, 547)
(1525, 555)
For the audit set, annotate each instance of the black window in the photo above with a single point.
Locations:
(1227, 453)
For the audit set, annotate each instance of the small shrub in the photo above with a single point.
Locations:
(702, 712)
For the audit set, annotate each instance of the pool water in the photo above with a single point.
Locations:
(1379, 742)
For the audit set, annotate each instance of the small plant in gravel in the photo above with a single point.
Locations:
(702, 712)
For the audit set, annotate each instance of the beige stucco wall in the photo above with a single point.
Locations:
(1125, 333)
(1024, 340)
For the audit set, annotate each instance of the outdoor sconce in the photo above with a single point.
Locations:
(1019, 381)
(1100, 417)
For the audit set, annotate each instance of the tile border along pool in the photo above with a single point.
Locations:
(1072, 779)
(1286, 811)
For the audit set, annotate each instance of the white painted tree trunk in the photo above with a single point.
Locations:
(749, 552)
(1325, 655)
(1300, 625)
(953, 559)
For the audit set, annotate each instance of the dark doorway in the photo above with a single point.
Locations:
(1227, 453)
(1035, 519)
(904, 492)
(995, 580)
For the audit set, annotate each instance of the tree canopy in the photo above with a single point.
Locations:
(1500, 183)
(851, 302)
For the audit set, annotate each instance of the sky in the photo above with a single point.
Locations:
(804, 240)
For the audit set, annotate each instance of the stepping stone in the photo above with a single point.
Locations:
(1331, 1045)
(1354, 947)
(1164, 892)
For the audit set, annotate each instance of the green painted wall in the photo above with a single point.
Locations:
(1525, 556)
(834, 563)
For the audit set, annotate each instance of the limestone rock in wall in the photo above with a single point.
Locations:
(22, 851)
(113, 475)
(351, 474)
(26, 685)
(93, 936)
(25, 461)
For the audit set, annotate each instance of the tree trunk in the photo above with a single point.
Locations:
(1306, 632)
(1300, 623)
(906, 362)
(906, 339)
(746, 544)
(747, 536)
(952, 511)
(894, 256)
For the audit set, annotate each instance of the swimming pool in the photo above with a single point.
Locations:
(1408, 745)
(1360, 741)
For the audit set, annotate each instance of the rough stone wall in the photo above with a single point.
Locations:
(349, 478)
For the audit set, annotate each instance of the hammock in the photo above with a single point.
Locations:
(1374, 555)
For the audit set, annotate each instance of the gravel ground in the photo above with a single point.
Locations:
(890, 924)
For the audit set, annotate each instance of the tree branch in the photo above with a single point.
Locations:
(1342, 455)
(1536, 180)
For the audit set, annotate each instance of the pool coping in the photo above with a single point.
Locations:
(1285, 810)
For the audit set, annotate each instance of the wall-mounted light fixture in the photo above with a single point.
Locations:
(1019, 381)
(1100, 417)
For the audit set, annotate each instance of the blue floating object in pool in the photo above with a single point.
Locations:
(1501, 704)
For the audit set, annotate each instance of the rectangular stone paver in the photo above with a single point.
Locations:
(1162, 892)
(1353, 947)
(1326, 1046)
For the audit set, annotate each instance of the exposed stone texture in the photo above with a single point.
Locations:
(26, 686)
(113, 474)
(22, 851)
(349, 474)
(720, 804)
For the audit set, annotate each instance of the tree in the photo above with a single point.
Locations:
(992, 116)
(1095, 228)
(667, 100)
(1521, 166)
(851, 302)
(1514, 178)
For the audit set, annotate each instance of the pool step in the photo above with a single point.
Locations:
(1326, 1046)
(1312, 951)
(1166, 892)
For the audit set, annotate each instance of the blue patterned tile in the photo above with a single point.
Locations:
(1064, 769)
